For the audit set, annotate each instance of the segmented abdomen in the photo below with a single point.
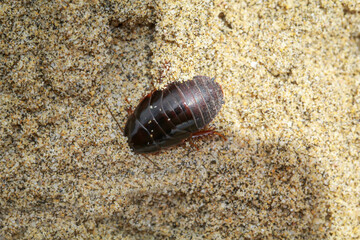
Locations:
(167, 117)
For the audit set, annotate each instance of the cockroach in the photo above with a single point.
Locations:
(167, 117)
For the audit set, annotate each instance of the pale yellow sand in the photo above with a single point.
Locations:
(290, 72)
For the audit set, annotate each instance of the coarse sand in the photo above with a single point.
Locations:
(290, 72)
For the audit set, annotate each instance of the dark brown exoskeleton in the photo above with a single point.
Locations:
(167, 117)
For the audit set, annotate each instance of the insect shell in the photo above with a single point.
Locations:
(167, 117)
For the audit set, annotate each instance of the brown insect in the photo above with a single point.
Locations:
(167, 117)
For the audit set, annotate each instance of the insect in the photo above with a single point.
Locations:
(167, 117)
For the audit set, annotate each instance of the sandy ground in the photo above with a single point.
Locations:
(290, 73)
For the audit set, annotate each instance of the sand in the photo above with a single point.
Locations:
(290, 73)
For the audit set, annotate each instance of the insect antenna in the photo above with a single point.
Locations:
(157, 166)
(108, 108)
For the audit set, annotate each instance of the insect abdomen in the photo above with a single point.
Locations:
(167, 117)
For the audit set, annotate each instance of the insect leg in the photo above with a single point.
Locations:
(129, 109)
(207, 132)
(193, 144)
(164, 70)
